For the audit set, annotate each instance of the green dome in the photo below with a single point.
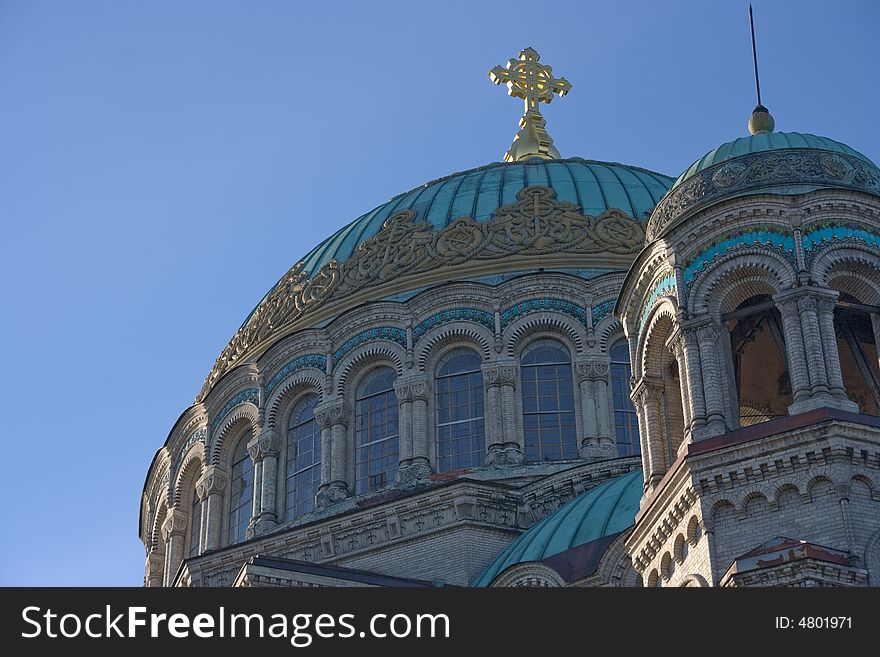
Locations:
(785, 163)
(607, 509)
(766, 141)
(478, 193)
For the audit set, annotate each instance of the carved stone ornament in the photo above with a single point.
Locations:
(536, 224)
(330, 413)
(212, 481)
(769, 168)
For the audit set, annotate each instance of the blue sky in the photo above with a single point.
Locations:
(163, 163)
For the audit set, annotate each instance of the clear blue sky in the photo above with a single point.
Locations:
(163, 163)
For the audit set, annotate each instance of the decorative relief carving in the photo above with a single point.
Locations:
(389, 333)
(821, 236)
(541, 305)
(536, 224)
(777, 167)
(771, 238)
(197, 436)
(499, 375)
(592, 371)
(664, 286)
(213, 481)
(330, 413)
(601, 310)
(315, 361)
(251, 395)
(455, 315)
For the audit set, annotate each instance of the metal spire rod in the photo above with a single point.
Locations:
(755, 55)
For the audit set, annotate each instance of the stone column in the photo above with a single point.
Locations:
(494, 428)
(676, 345)
(589, 442)
(825, 302)
(256, 458)
(412, 396)
(420, 389)
(402, 391)
(807, 306)
(691, 353)
(264, 450)
(602, 372)
(707, 341)
(210, 487)
(597, 442)
(649, 395)
(155, 574)
(173, 533)
(506, 446)
(333, 414)
(794, 346)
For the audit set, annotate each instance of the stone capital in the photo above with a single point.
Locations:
(331, 413)
(213, 480)
(411, 388)
(175, 524)
(647, 389)
(499, 374)
(267, 443)
(592, 369)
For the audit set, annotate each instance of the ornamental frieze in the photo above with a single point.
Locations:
(536, 224)
(778, 167)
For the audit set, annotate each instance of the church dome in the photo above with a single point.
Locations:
(593, 186)
(504, 218)
(607, 509)
(768, 162)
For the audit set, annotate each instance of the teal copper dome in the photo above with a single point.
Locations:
(786, 163)
(607, 509)
(766, 141)
(594, 186)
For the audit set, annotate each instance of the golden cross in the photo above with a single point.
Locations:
(529, 80)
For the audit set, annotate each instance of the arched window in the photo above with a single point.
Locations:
(626, 423)
(376, 431)
(549, 428)
(760, 366)
(461, 429)
(195, 524)
(241, 492)
(303, 458)
(857, 347)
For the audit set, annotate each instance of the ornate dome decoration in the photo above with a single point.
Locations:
(778, 162)
(607, 509)
(498, 218)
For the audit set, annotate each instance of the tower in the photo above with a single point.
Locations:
(753, 319)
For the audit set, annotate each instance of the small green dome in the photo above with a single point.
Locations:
(783, 163)
(766, 141)
(478, 193)
(607, 509)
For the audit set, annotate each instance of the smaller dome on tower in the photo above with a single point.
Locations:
(784, 163)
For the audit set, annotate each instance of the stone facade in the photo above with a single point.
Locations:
(427, 525)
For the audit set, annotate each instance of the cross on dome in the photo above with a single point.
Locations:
(532, 81)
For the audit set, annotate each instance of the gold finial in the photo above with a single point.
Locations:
(534, 83)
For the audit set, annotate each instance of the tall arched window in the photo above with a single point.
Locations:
(241, 492)
(195, 524)
(303, 458)
(461, 429)
(549, 429)
(626, 423)
(376, 431)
